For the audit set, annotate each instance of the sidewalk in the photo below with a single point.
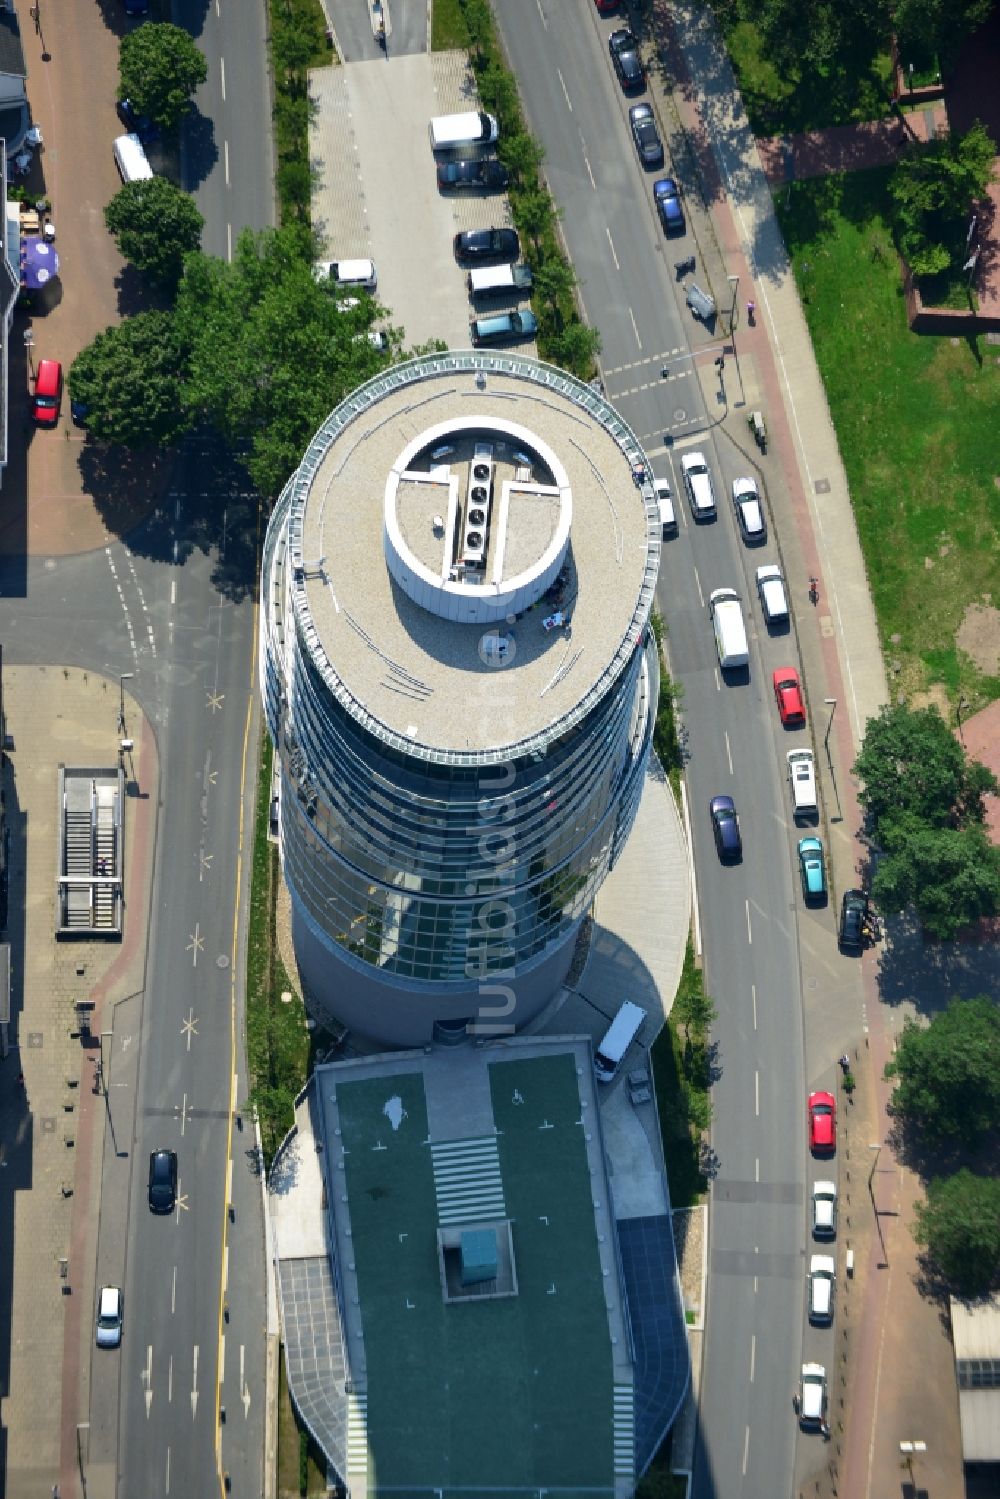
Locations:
(51, 1116)
(900, 1375)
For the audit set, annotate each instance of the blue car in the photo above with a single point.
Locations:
(726, 828)
(136, 123)
(667, 198)
(812, 869)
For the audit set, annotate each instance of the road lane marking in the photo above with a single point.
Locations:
(222, 73)
(167, 1478)
(749, 932)
(173, 590)
(753, 996)
(562, 84)
(173, 1292)
(697, 584)
(225, 154)
(170, 1379)
(194, 1385)
(229, 241)
(147, 1378)
(197, 943)
(756, 1093)
(635, 327)
(244, 1387)
(753, 1355)
(611, 242)
(746, 1450)
(729, 753)
(190, 1027)
(586, 162)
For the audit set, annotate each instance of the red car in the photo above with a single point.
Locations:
(606, 7)
(48, 393)
(791, 708)
(822, 1122)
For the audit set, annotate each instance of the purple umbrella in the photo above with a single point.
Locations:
(39, 263)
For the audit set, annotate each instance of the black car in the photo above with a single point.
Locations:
(726, 827)
(138, 124)
(162, 1181)
(624, 48)
(853, 910)
(668, 205)
(484, 174)
(645, 134)
(481, 246)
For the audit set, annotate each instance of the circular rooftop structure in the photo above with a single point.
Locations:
(466, 504)
(460, 681)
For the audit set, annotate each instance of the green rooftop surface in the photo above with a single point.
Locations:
(507, 1395)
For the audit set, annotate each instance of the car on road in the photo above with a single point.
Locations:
(109, 1317)
(484, 246)
(812, 1396)
(824, 1210)
(788, 696)
(474, 174)
(698, 482)
(606, 7)
(47, 397)
(822, 1287)
(822, 1123)
(749, 511)
(853, 910)
(503, 328)
(665, 506)
(726, 828)
(624, 48)
(136, 7)
(642, 124)
(812, 869)
(667, 198)
(772, 595)
(138, 124)
(162, 1181)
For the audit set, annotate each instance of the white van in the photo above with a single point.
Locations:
(499, 281)
(459, 132)
(698, 482)
(771, 592)
(357, 274)
(665, 505)
(617, 1039)
(802, 780)
(131, 159)
(730, 634)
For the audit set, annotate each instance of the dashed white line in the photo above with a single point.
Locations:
(173, 1292)
(753, 996)
(173, 590)
(753, 1355)
(635, 327)
(756, 1094)
(749, 932)
(225, 154)
(586, 162)
(562, 84)
(614, 257)
(746, 1450)
(229, 241)
(729, 754)
(222, 73)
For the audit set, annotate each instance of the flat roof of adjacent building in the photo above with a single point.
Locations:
(975, 1332)
(517, 1392)
(415, 676)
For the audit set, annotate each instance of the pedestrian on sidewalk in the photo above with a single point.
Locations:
(751, 311)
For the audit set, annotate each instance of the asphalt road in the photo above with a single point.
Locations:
(173, 606)
(734, 741)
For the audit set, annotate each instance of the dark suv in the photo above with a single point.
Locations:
(162, 1181)
(853, 910)
(482, 246)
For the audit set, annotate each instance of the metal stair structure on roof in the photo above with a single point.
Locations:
(91, 850)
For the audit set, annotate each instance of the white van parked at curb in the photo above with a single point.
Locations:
(802, 781)
(617, 1039)
(730, 633)
(131, 159)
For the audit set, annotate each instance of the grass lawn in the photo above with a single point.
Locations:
(682, 1082)
(784, 102)
(448, 29)
(918, 422)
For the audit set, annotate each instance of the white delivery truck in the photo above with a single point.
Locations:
(730, 634)
(802, 781)
(617, 1039)
(461, 131)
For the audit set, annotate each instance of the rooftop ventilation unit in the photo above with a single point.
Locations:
(477, 507)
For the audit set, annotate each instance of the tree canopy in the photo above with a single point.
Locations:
(911, 762)
(155, 225)
(959, 1224)
(159, 68)
(271, 349)
(129, 381)
(948, 1073)
(950, 876)
(933, 189)
(935, 28)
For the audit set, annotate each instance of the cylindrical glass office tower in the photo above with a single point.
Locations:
(460, 682)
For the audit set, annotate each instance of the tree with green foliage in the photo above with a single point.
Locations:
(129, 379)
(155, 225)
(933, 189)
(947, 1074)
(959, 1225)
(159, 68)
(822, 34)
(575, 348)
(911, 762)
(950, 876)
(936, 28)
(271, 349)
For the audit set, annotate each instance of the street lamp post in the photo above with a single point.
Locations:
(910, 1450)
(734, 282)
(960, 708)
(877, 1147)
(831, 703)
(123, 677)
(29, 340)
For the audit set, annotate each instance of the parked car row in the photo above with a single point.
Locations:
(821, 1286)
(488, 281)
(626, 59)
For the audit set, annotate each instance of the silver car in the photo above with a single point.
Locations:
(109, 1317)
(824, 1210)
(822, 1287)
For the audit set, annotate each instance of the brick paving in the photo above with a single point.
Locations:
(847, 148)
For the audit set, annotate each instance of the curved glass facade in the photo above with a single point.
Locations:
(424, 873)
